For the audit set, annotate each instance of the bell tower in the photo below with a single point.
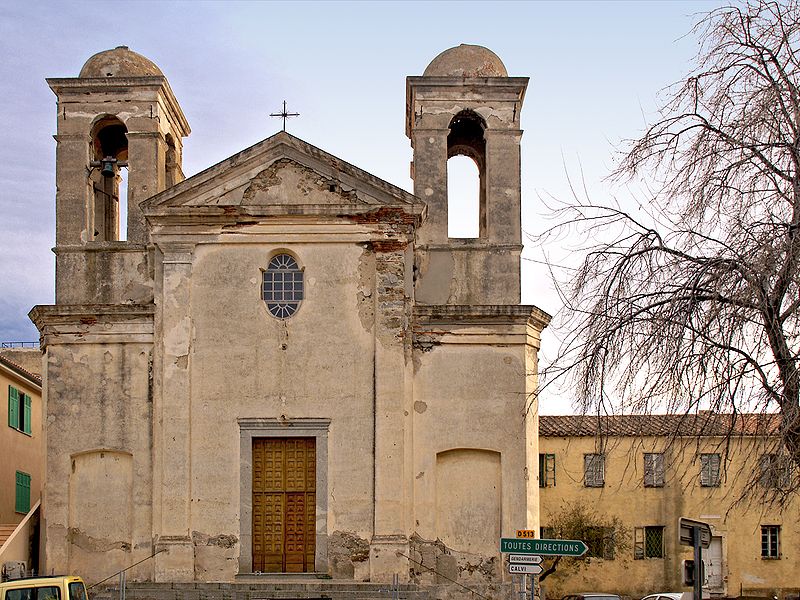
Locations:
(119, 138)
(119, 113)
(466, 104)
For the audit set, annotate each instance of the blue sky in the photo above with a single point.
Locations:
(596, 70)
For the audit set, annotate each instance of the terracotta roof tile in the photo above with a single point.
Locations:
(20, 371)
(704, 423)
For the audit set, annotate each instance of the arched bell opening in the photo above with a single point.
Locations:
(109, 179)
(466, 179)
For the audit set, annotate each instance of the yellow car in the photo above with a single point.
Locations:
(60, 587)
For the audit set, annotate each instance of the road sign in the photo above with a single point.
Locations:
(686, 535)
(528, 559)
(524, 569)
(526, 533)
(547, 547)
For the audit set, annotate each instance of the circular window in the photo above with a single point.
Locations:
(282, 286)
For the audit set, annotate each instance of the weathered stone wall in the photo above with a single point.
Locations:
(104, 273)
(472, 438)
(163, 362)
(485, 269)
(242, 363)
(98, 496)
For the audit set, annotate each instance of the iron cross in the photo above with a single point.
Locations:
(284, 115)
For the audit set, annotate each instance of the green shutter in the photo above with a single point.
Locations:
(27, 423)
(23, 495)
(542, 472)
(13, 407)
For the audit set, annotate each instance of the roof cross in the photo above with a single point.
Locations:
(284, 114)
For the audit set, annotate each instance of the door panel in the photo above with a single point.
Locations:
(714, 564)
(284, 504)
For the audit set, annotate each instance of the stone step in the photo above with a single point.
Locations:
(5, 532)
(316, 590)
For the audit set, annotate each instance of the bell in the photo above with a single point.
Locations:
(108, 169)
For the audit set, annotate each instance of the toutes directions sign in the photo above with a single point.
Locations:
(546, 547)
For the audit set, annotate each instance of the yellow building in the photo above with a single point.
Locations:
(21, 446)
(648, 472)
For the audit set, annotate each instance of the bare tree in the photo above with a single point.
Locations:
(692, 302)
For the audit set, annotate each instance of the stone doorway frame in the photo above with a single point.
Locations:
(250, 428)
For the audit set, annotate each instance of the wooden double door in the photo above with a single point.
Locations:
(284, 504)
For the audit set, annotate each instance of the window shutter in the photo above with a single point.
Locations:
(23, 493)
(638, 543)
(715, 464)
(13, 407)
(653, 469)
(608, 543)
(547, 470)
(542, 472)
(660, 470)
(593, 470)
(26, 490)
(27, 423)
(709, 470)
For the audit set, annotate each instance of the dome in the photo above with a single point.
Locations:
(119, 62)
(466, 60)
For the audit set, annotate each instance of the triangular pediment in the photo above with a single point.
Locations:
(278, 176)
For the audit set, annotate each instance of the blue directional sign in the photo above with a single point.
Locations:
(546, 547)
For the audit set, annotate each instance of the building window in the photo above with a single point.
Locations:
(547, 470)
(22, 502)
(709, 470)
(648, 542)
(653, 469)
(600, 541)
(594, 470)
(282, 287)
(19, 410)
(774, 471)
(770, 541)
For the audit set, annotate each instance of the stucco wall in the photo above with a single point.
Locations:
(471, 431)
(245, 364)
(98, 498)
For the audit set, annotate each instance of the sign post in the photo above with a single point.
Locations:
(526, 551)
(528, 559)
(518, 569)
(697, 535)
(543, 547)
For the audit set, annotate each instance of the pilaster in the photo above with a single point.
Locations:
(74, 211)
(430, 181)
(389, 544)
(172, 407)
(146, 150)
(503, 193)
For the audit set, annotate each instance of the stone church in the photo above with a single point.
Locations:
(287, 366)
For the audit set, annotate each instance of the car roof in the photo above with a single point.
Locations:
(39, 580)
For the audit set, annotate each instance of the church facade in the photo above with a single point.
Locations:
(287, 366)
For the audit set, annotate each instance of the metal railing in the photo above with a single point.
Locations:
(19, 344)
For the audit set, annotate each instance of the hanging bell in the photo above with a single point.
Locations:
(108, 168)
